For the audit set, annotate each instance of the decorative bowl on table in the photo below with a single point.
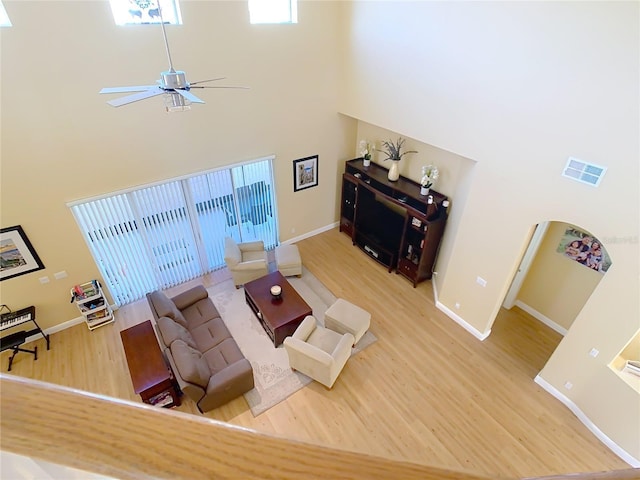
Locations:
(276, 292)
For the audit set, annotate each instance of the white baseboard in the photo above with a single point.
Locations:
(56, 328)
(615, 448)
(457, 318)
(312, 233)
(538, 316)
(61, 326)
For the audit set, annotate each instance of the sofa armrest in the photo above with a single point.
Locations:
(256, 246)
(306, 328)
(342, 352)
(193, 391)
(191, 296)
(302, 352)
(226, 378)
(229, 383)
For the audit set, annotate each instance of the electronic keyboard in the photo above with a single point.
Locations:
(13, 319)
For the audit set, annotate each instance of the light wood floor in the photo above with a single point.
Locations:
(426, 392)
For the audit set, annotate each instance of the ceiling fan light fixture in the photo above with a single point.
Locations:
(174, 102)
(173, 80)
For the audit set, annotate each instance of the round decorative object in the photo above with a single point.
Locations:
(276, 291)
(366, 162)
(424, 191)
(394, 171)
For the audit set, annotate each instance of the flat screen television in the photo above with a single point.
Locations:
(380, 223)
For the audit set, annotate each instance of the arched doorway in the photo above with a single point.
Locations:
(559, 271)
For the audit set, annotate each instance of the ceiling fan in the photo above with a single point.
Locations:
(173, 83)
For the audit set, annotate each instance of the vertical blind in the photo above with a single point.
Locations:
(162, 235)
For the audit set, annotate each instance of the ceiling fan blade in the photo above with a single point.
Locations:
(210, 80)
(189, 96)
(118, 102)
(140, 88)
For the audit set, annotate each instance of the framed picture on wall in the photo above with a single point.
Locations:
(305, 173)
(585, 249)
(17, 255)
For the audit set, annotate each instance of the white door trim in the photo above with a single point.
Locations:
(525, 264)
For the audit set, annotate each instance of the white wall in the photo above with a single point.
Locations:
(518, 87)
(515, 86)
(62, 142)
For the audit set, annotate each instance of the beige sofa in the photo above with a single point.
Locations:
(318, 352)
(207, 363)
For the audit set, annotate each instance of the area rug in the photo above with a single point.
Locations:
(274, 379)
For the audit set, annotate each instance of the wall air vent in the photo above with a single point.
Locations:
(584, 172)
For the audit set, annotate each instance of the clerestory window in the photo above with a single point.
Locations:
(139, 12)
(4, 18)
(273, 11)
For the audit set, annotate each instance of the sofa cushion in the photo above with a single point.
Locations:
(190, 363)
(324, 339)
(165, 307)
(210, 334)
(200, 313)
(226, 353)
(189, 297)
(250, 256)
(170, 330)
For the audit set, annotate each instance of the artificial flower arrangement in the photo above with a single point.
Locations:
(430, 174)
(393, 151)
(365, 149)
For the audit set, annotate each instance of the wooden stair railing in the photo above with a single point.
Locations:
(626, 474)
(128, 440)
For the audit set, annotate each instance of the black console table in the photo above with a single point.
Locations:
(391, 221)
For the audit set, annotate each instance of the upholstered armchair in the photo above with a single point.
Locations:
(246, 261)
(318, 352)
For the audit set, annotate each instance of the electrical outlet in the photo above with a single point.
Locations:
(44, 280)
(568, 385)
(594, 352)
(457, 305)
(481, 281)
(60, 275)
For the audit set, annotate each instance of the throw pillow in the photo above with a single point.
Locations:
(165, 307)
(171, 331)
(191, 366)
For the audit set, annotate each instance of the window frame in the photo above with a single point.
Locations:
(260, 11)
(124, 14)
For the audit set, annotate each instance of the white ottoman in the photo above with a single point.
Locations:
(345, 317)
(288, 260)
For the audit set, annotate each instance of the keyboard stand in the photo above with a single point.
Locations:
(14, 341)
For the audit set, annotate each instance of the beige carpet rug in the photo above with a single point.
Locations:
(274, 379)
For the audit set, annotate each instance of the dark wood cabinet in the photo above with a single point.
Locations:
(391, 221)
(348, 209)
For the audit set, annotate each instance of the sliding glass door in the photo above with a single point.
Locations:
(165, 234)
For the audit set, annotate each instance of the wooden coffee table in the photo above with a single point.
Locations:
(279, 317)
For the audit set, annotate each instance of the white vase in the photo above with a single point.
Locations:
(366, 162)
(424, 191)
(394, 172)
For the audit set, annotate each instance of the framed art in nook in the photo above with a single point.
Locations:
(17, 255)
(305, 173)
(585, 249)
